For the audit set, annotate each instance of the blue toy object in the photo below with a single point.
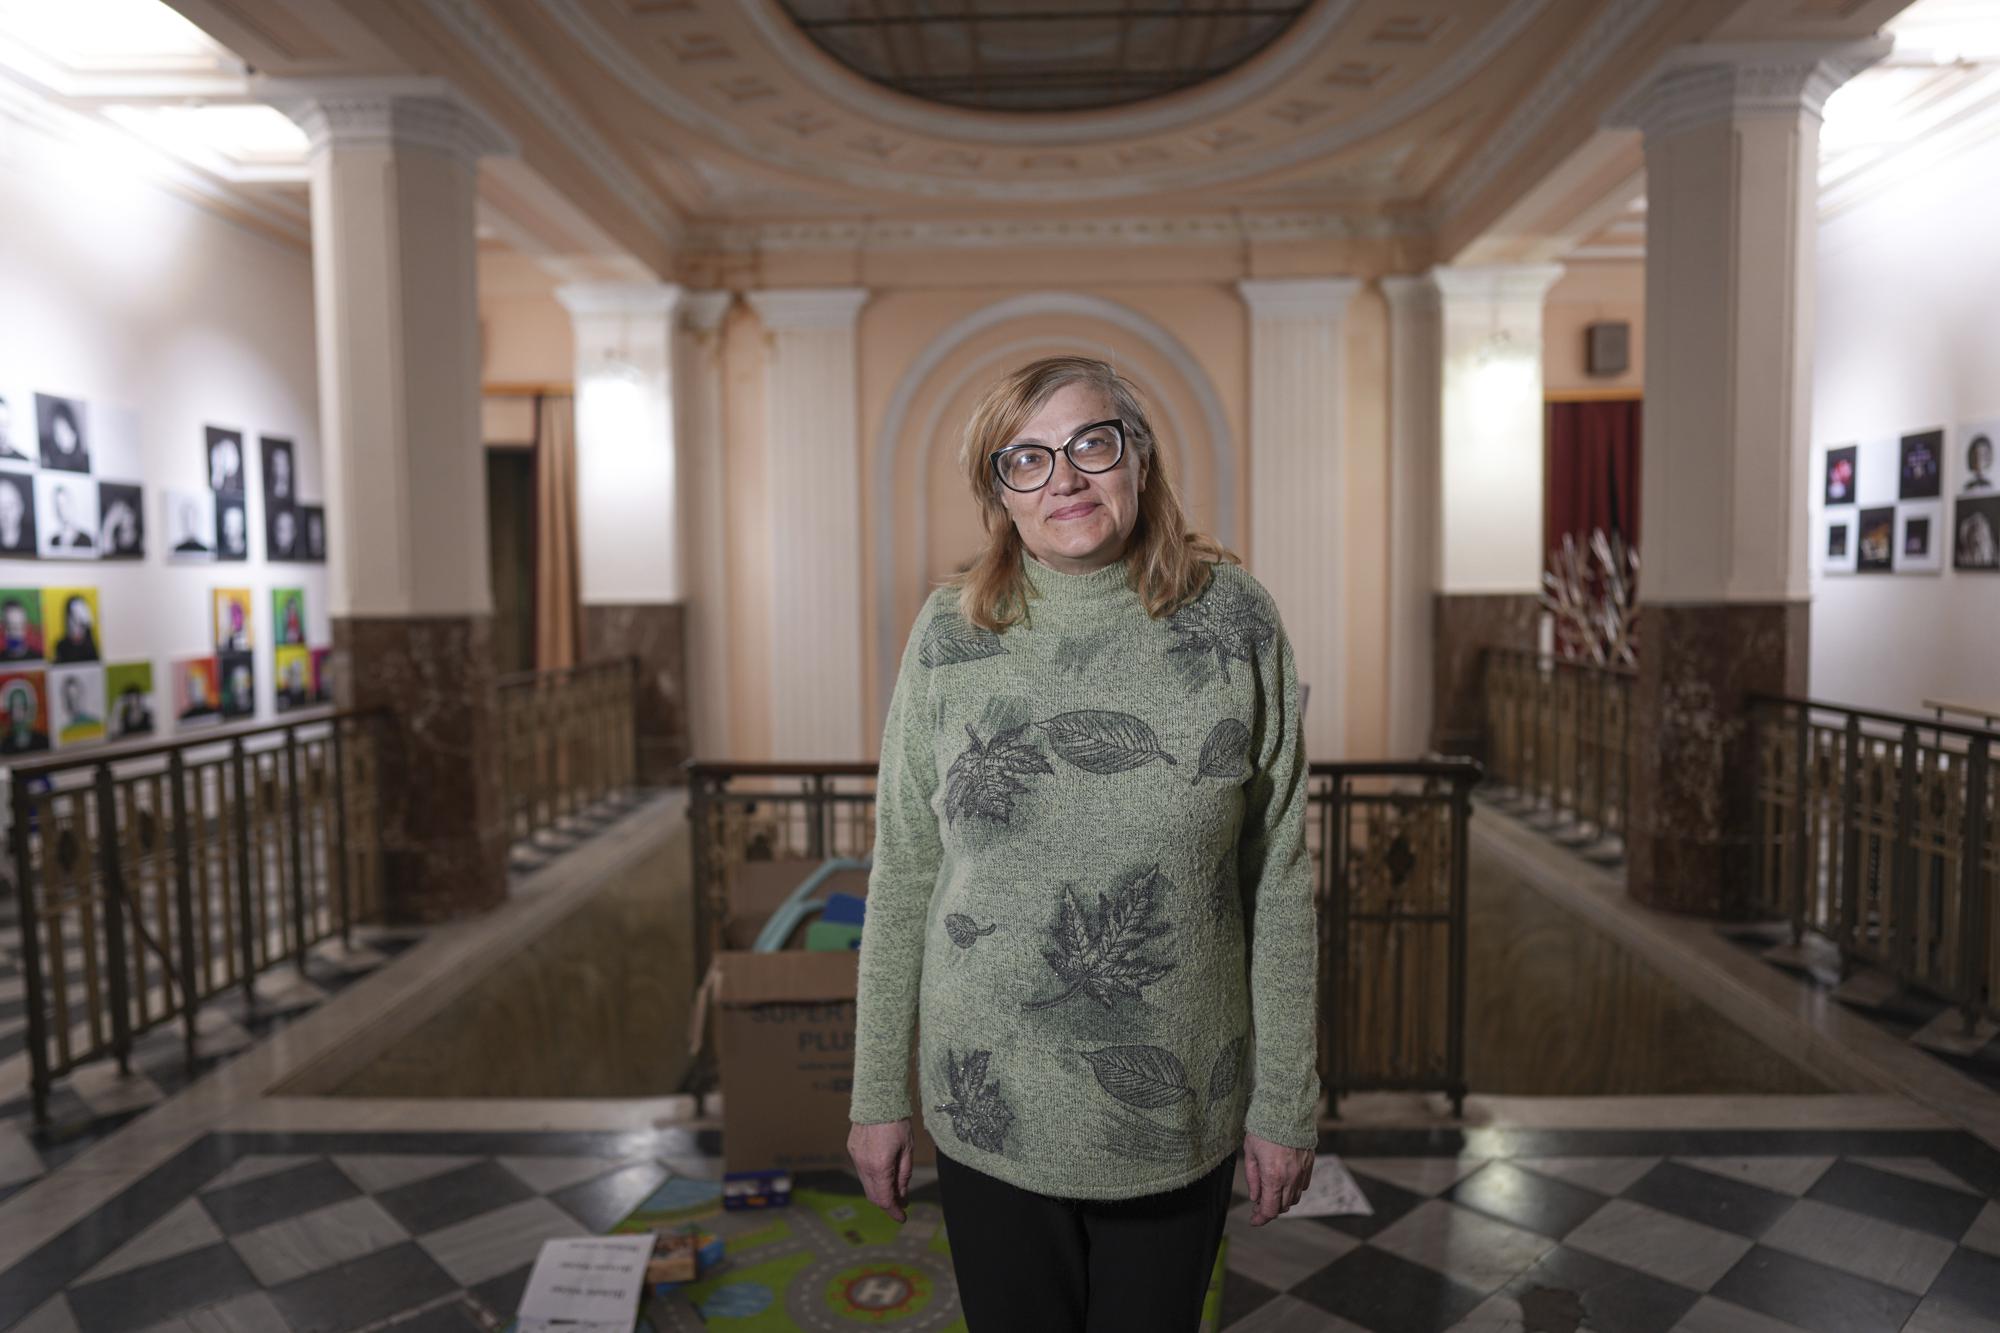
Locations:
(844, 909)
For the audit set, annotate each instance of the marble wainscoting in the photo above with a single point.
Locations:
(1467, 624)
(443, 827)
(1693, 764)
(656, 634)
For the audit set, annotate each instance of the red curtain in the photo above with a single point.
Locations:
(1593, 472)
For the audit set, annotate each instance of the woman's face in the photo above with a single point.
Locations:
(79, 620)
(1079, 521)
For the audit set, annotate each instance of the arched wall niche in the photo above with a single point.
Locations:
(923, 525)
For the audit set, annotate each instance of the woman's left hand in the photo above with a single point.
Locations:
(1277, 1176)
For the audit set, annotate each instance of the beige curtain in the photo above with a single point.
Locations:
(558, 615)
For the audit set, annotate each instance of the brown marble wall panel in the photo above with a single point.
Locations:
(1467, 623)
(443, 830)
(656, 634)
(1688, 844)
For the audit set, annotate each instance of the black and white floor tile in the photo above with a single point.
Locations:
(1493, 1231)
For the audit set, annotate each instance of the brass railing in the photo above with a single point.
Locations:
(1558, 736)
(1388, 844)
(151, 879)
(568, 741)
(1881, 832)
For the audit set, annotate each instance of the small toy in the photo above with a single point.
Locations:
(756, 1189)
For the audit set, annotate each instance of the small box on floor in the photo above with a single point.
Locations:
(756, 1189)
(682, 1256)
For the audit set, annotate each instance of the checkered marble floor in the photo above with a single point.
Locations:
(97, 1099)
(1709, 1231)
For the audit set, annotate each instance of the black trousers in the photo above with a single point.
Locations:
(1031, 1263)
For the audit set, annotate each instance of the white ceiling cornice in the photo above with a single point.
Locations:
(1037, 233)
(470, 24)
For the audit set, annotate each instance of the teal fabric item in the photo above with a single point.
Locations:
(1091, 899)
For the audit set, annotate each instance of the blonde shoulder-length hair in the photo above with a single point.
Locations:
(1166, 563)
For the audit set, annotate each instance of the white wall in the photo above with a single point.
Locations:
(116, 291)
(1908, 339)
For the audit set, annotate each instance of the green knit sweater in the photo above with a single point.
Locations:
(1091, 896)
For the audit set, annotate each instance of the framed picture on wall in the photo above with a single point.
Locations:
(1841, 464)
(232, 528)
(78, 695)
(72, 630)
(1837, 542)
(16, 422)
(288, 616)
(189, 519)
(197, 692)
(1920, 537)
(225, 460)
(1977, 459)
(24, 712)
(21, 625)
(291, 681)
(60, 428)
(1921, 459)
(239, 684)
(231, 622)
(322, 665)
(121, 521)
(1875, 552)
(281, 519)
(66, 516)
(312, 528)
(17, 516)
(1975, 533)
(128, 699)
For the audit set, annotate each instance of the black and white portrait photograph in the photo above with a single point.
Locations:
(66, 516)
(1975, 528)
(17, 515)
(1979, 468)
(232, 528)
(121, 521)
(59, 424)
(281, 535)
(12, 432)
(1837, 547)
(1920, 477)
(189, 521)
(1876, 549)
(1840, 474)
(312, 525)
(225, 461)
(281, 519)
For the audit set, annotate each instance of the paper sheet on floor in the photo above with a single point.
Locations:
(1332, 1191)
(589, 1281)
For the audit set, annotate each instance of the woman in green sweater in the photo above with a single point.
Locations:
(1091, 901)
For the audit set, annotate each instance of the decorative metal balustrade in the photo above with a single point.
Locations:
(1881, 833)
(1559, 736)
(148, 880)
(568, 741)
(1388, 845)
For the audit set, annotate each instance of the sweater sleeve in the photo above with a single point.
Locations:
(1276, 875)
(908, 853)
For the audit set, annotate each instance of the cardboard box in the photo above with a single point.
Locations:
(784, 1025)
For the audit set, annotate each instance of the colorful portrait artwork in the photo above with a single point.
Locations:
(1921, 462)
(232, 621)
(239, 684)
(24, 712)
(71, 629)
(197, 692)
(21, 625)
(288, 616)
(322, 661)
(77, 696)
(1876, 551)
(128, 700)
(1841, 467)
(293, 685)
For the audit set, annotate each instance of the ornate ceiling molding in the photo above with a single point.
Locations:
(826, 140)
(1698, 85)
(1194, 107)
(470, 24)
(1198, 229)
(808, 307)
(1612, 28)
(387, 113)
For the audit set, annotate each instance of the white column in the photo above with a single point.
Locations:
(1732, 159)
(1298, 484)
(628, 499)
(394, 174)
(704, 435)
(1415, 358)
(1491, 428)
(812, 487)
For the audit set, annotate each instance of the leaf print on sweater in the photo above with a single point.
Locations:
(1104, 954)
(979, 1115)
(1223, 621)
(1226, 1071)
(964, 930)
(1142, 1076)
(985, 778)
(951, 638)
(1224, 901)
(1097, 741)
(1226, 752)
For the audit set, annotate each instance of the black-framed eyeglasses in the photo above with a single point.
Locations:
(1093, 448)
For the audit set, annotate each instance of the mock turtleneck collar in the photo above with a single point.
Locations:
(1057, 590)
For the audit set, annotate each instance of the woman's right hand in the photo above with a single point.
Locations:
(881, 1156)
